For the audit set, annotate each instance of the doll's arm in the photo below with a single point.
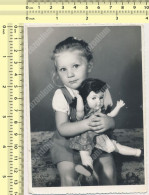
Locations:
(79, 107)
(116, 110)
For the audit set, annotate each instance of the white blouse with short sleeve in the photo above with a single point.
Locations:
(59, 102)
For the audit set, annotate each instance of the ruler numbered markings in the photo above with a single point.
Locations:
(102, 8)
(38, 10)
(12, 92)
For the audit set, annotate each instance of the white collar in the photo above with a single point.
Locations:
(71, 91)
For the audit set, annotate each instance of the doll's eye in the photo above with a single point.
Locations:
(93, 98)
(76, 65)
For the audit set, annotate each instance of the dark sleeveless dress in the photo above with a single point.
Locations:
(60, 150)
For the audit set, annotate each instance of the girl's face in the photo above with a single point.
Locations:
(72, 68)
(95, 100)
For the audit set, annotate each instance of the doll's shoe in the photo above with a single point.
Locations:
(84, 170)
(142, 153)
(141, 157)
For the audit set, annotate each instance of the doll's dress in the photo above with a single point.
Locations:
(84, 141)
(90, 139)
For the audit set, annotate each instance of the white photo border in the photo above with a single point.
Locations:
(28, 189)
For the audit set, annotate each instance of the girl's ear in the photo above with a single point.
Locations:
(90, 66)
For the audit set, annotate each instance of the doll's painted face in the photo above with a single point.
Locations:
(95, 100)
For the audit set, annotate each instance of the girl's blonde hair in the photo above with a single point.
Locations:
(71, 43)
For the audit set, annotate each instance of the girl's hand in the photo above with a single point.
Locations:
(94, 123)
(106, 122)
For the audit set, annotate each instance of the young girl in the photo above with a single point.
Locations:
(73, 61)
(90, 98)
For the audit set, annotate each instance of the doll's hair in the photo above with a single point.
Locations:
(72, 43)
(89, 85)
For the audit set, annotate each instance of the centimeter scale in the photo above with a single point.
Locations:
(83, 11)
(13, 15)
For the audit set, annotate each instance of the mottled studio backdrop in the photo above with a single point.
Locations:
(117, 55)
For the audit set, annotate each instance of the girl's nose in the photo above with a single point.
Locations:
(70, 73)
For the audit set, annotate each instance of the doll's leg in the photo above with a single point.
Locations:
(104, 143)
(126, 150)
(86, 158)
(86, 139)
(67, 173)
(87, 164)
(105, 168)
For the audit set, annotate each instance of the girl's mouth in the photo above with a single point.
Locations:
(72, 82)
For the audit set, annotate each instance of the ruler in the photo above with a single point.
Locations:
(11, 110)
(82, 11)
(13, 14)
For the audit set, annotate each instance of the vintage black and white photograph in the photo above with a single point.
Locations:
(86, 110)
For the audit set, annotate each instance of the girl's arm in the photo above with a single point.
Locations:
(68, 129)
(116, 110)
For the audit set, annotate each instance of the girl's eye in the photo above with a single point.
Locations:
(63, 69)
(76, 65)
(101, 98)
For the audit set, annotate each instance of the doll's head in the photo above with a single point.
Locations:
(73, 61)
(92, 93)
